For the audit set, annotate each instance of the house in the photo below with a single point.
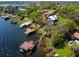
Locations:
(51, 19)
(76, 35)
(26, 47)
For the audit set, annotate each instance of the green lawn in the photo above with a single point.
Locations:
(33, 14)
(65, 51)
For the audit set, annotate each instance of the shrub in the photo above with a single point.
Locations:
(63, 26)
(56, 38)
(44, 46)
(40, 31)
(33, 26)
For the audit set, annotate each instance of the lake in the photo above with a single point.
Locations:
(14, 4)
(11, 36)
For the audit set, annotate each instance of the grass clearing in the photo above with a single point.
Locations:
(64, 50)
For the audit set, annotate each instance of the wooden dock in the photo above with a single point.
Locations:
(29, 31)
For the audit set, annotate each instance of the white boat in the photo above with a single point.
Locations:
(4, 16)
(25, 24)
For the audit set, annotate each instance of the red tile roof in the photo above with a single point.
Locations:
(27, 45)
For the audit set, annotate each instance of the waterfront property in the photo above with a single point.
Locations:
(51, 19)
(27, 47)
(48, 32)
(11, 38)
(26, 23)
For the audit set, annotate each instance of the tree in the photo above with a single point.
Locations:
(56, 38)
(64, 10)
(76, 49)
(33, 26)
(64, 26)
(44, 46)
(40, 31)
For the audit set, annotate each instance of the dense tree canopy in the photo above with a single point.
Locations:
(45, 45)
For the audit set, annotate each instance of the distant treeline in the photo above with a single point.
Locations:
(41, 2)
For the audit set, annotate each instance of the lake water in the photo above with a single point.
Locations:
(14, 4)
(11, 36)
